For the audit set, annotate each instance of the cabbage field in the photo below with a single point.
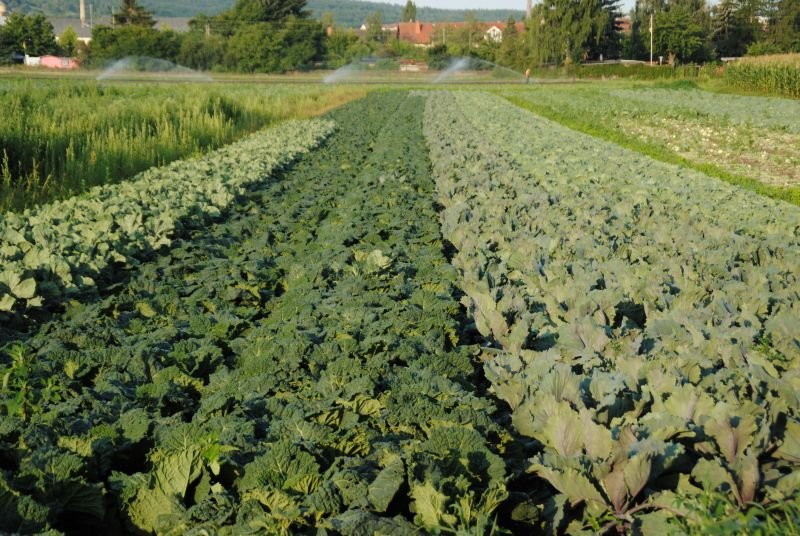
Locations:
(425, 312)
(753, 142)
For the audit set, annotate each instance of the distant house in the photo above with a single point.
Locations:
(413, 66)
(51, 62)
(84, 30)
(494, 34)
(624, 25)
(425, 34)
(417, 33)
(495, 30)
(54, 62)
(2, 13)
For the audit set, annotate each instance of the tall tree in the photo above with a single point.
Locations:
(410, 12)
(785, 33)
(572, 30)
(681, 30)
(465, 40)
(735, 27)
(68, 42)
(110, 44)
(343, 47)
(678, 36)
(200, 51)
(259, 36)
(26, 34)
(637, 45)
(251, 11)
(132, 14)
(606, 40)
(246, 12)
(510, 53)
(375, 28)
(295, 44)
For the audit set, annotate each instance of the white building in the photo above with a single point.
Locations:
(494, 31)
(2, 13)
(494, 34)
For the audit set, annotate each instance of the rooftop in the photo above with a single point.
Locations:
(179, 24)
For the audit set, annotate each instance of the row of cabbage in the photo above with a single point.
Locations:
(764, 112)
(740, 139)
(62, 248)
(294, 368)
(646, 321)
(769, 113)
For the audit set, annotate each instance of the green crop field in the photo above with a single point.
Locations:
(62, 138)
(776, 75)
(752, 142)
(356, 310)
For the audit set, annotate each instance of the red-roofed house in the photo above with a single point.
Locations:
(418, 33)
(425, 34)
(624, 25)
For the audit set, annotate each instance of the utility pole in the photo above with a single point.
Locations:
(651, 38)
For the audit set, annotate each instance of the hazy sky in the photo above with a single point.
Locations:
(478, 4)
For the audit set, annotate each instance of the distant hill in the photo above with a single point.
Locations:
(103, 8)
(347, 13)
(352, 13)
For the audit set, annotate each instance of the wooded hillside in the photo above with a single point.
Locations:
(348, 13)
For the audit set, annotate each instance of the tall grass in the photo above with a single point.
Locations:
(60, 138)
(773, 75)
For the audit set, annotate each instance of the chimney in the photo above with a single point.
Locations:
(530, 8)
(83, 14)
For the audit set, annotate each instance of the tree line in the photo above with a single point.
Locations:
(347, 13)
(280, 35)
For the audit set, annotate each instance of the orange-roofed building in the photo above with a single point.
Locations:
(425, 34)
(418, 33)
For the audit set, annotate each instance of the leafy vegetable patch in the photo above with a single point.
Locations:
(645, 319)
(54, 251)
(298, 366)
